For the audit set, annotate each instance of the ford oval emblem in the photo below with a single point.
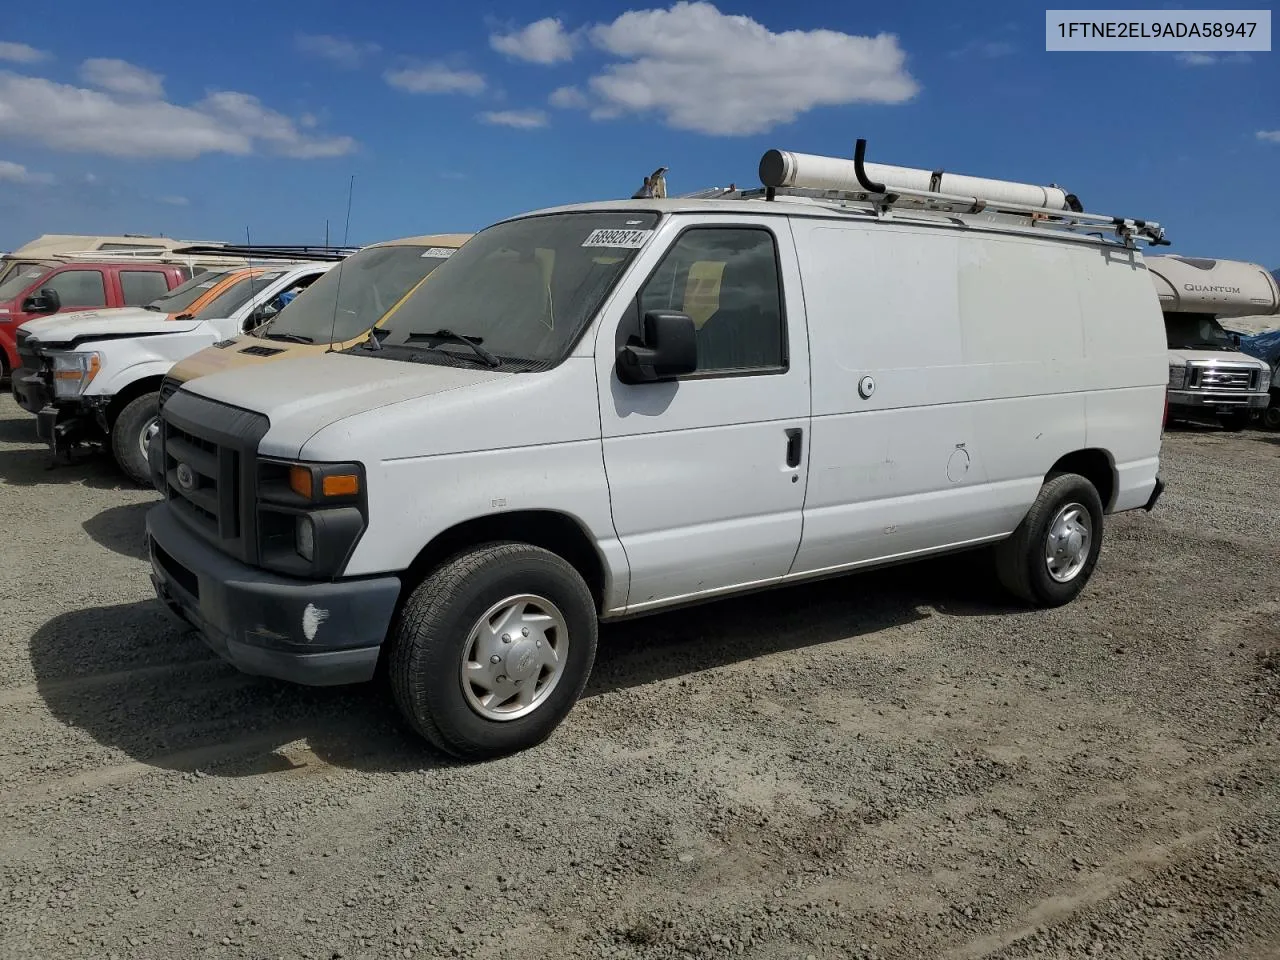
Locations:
(186, 477)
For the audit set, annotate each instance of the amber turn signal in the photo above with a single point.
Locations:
(340, 485)
(300, 481)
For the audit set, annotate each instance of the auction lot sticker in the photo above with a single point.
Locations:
(1167, 31)
(624, 239)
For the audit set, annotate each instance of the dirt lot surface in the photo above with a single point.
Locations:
(893, 765)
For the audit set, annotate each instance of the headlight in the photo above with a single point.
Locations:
(1264, 380)
(1177, 376)
(310, 516)
(72, 372)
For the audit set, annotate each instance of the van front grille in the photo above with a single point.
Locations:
(1219, 377)
(209, 453)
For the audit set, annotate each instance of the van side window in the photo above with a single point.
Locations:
(140, 287)
(726, 279)
(78, 288)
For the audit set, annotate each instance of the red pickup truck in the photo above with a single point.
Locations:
(39, 290)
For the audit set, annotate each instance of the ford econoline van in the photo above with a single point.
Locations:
(614, 408)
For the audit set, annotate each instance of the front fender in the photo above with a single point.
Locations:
(125, 362)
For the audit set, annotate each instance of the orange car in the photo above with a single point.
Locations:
(214, 293)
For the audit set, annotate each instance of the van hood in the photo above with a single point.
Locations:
(1214, 356)
(85, 325)
(304, 395)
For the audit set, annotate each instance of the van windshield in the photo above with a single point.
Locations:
(185, 294)
(524, 289)
(1196, 331)
(355, 294)
(20, 279)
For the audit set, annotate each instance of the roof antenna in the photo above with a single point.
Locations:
(333, 329)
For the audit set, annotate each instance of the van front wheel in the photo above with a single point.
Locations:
(130, 433)
(492, 650)
(1051, 555)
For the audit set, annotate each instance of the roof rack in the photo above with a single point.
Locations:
(843, 181)
(150, 255)
(262, 252)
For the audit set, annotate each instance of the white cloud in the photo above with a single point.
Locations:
(567, 98)
(706, 71)
(11, 172)
(435, 78)
(119, 76)
(338, 50)
(76, 119)
(174, 200)
(245, 113)
(520, 119)
(1196, 58)
(21, 53)
(1272, 135)
(544, 41)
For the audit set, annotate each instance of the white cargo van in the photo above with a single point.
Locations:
(609, 409)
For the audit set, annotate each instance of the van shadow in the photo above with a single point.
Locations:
(133, 679)
(122, 529)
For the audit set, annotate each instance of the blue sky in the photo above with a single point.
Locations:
(197, 122)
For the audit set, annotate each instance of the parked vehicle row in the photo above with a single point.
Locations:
(96, 375)
(614, 408)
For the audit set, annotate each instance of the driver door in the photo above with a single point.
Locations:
(707, 473)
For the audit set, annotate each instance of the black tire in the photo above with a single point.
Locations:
(1234, 422)
(1271, 415)
(1020, 560)
(429, 639)
(128, 436)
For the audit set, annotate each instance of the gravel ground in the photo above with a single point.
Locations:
(892, 765)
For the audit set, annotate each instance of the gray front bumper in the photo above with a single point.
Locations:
(318, 633)
(1218, 400)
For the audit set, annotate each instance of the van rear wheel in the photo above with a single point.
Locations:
(1051, 555)
(492, 650)
(130, 433)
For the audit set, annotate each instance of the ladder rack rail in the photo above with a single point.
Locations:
(883, 198)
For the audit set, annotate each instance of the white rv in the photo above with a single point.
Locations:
(614, 408)
(1209, 378)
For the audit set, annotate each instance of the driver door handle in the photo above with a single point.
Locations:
(795, 446)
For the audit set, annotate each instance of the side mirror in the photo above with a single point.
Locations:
(668, 349)
(46, 301)
(1235, 338)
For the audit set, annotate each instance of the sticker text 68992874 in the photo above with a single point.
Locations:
(628, 239)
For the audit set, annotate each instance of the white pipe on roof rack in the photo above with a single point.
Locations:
(835, 173)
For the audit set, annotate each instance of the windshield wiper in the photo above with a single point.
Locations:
(150, 307)
(287, 337)
(451, 337)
